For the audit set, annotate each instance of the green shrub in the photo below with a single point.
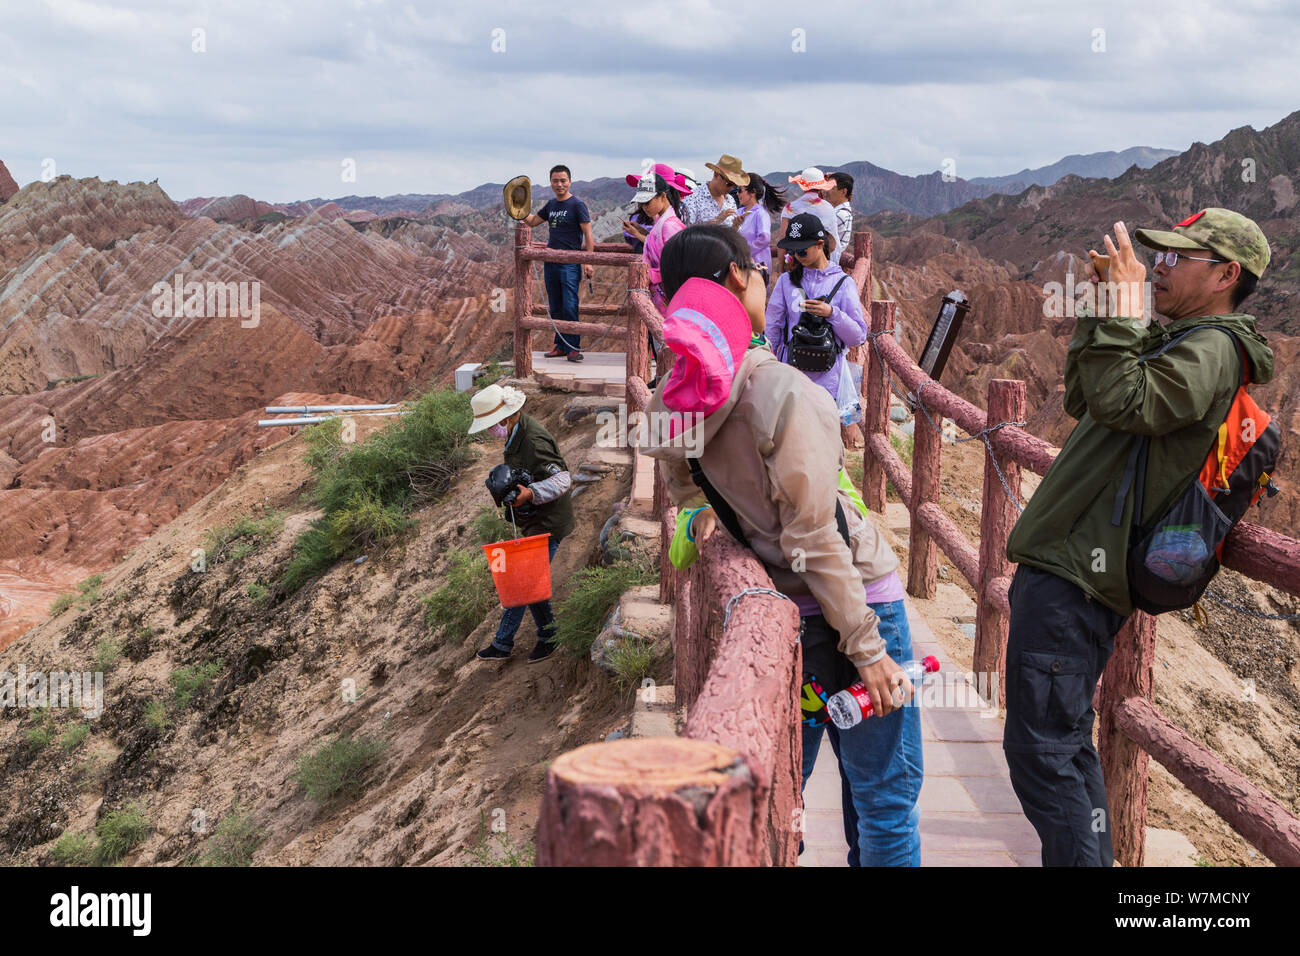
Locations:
(466, 598)
(155, 715)
(366, 490)
(119, 832)
(234, 841)
(336, 769)
(257, 592)
(89, 590)
(499, 850)
(191, 682)
(72, 737)
(74, 849)
(594, 591)
(42, 730)
(237, 541)
(632, 660)
(489, 527)
(903, 445)
(62, 603)
(108, 652)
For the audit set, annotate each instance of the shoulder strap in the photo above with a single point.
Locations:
(727, 514)
(843, 278)
(1135, 470)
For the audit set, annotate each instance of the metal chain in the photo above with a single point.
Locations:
(560, 335)
(920, 403)
(736, 597)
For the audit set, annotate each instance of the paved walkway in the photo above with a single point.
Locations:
(969, 814)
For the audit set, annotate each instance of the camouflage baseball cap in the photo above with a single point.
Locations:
(1228, 234)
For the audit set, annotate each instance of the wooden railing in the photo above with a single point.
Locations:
(727, 792)
(1130, 729)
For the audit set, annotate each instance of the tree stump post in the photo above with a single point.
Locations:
(638, 348)
(657, 801)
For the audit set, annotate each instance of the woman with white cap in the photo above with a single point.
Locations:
(820, 289)
(660, 198)
(815, 185)
(543, 507)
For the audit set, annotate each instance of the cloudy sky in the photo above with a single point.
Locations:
(273, 97)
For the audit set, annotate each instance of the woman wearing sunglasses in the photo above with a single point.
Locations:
(801, 291)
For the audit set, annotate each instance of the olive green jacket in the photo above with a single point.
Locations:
(1179, 398)
(531, 447)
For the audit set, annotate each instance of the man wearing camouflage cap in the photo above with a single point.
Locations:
(1070, 594)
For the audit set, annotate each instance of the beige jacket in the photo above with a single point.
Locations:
(773, 451)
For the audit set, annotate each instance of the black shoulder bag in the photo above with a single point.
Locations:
(813, 345)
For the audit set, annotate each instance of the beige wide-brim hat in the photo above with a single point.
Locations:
(494, 405)
(519, 197)
(731, 169)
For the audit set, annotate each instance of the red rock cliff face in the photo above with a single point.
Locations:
(7, 185)
(92, 466)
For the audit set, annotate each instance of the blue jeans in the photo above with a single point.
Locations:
(512, 617)
(880, 766)
(562, 297)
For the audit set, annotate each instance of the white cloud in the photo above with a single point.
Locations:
(414, 92)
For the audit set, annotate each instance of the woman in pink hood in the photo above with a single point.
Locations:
(766, 440)
(660, 200)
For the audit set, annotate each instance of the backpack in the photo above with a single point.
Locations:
(814, 347)
(1175, 556)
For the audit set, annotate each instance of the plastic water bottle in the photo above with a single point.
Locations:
(850, 707)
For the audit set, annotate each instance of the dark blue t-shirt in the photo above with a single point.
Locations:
(565, 218)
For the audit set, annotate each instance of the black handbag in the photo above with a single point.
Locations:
(813, 345)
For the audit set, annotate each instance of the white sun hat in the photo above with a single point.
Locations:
(493, 405)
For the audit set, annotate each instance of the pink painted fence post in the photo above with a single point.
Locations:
(523, 303)
(922, 551)
(638, 349)
(998, 513)
(875, 408)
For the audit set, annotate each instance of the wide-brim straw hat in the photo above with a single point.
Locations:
(731, 169)
(493, 405)
(812, 179)
(519, 197)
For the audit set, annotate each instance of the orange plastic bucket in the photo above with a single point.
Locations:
(521, 569)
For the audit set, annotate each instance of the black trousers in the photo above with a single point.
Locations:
(1060, 640)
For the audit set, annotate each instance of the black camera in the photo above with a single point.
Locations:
(503, 485)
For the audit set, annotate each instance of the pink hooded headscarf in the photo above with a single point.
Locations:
(709, 330)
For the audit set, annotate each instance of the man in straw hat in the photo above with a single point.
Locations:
(570, 228)
(715, 203)
(815, 186)
(1070, 594)
(530, 447)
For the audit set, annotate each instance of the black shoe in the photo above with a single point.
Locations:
(492, 653)
(543, 650)
(574, 356)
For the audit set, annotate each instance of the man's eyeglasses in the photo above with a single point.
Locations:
(1170, 258)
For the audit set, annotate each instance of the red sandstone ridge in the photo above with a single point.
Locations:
(8, 188)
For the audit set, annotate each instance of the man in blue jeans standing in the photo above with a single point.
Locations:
(570, 228)
(543, 507)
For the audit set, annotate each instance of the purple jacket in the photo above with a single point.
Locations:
(846, 318)
(757, 231)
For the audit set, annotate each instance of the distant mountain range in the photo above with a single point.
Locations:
(875, 190)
